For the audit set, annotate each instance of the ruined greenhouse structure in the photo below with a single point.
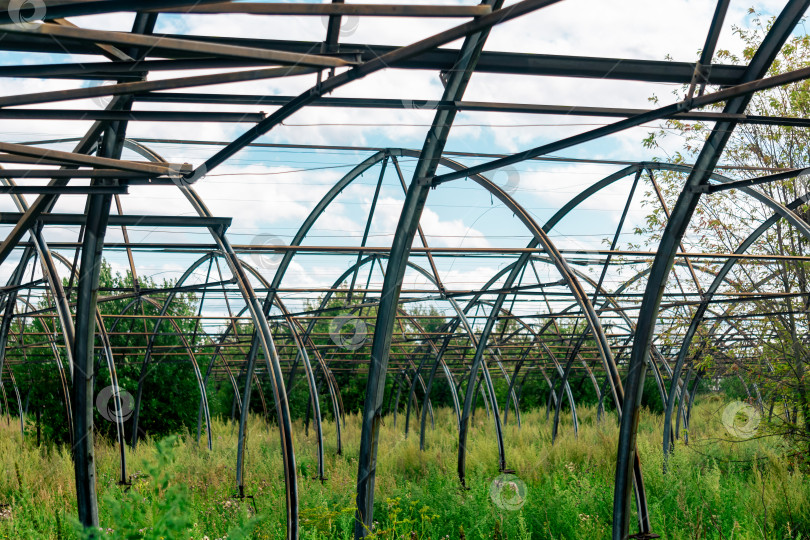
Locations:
(128, 181)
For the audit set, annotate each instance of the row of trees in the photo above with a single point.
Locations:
(171, 392)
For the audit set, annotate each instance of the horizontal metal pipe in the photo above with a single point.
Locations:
(11, 218)
(372, 10)
(64, 190)
(72, 173)
(469, 106)
(436, 59)
(157, 43)
(95, 161)
(130, 116)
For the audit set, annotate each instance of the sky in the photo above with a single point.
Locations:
(270, 191)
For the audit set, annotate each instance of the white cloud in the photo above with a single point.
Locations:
(250, 189)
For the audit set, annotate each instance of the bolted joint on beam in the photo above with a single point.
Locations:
(426, 181)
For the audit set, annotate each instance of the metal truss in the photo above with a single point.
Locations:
(573, 328)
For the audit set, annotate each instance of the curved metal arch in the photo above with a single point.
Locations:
(150, 345)
(631, 169)
(561, 265)
(732, 325)
(236, 396)
(273, 367)
(106, 346)
(697, 318)
(427, 403)
(52, 277)
(537, 339)
(329, 197)
(505, 198)
(313, 387)
(631, 327)
(513, 275)
(19, 400)
(721, 318)
(608, 300)
(495, 355)
(516, 372)
(468, 328)
(582, 275)
(675, 229)
(218, 344)
(398, 381)
(61, 304)
(573, 284)
(346, 274)
(356, 172)
(195, 367)
(476, 298)
(418, 378)
(270, 356)
(60, 369)
(5, 326)
(201, 381)
(337, 189)
(203, 397)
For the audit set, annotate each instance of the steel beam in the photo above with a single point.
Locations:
(83, 355)
(460, 105)
(12, 218)
(415, 200)
(370, 10)
(363, 70)
(743, 91)
(60, 8)
(673, 233)
(78, 158)
(436, 59)
(157, 44)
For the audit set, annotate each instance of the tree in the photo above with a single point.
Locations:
(171, 392)
(775, 355)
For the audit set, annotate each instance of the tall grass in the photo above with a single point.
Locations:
(713, 488)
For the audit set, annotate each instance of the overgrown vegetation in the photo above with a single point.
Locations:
(714, 488)
(168, 380)
(772, 365)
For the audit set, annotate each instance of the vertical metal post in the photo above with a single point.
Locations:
(380, 350)
(665, 258)
(83, 454)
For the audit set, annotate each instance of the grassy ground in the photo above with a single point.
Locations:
(713, 488)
